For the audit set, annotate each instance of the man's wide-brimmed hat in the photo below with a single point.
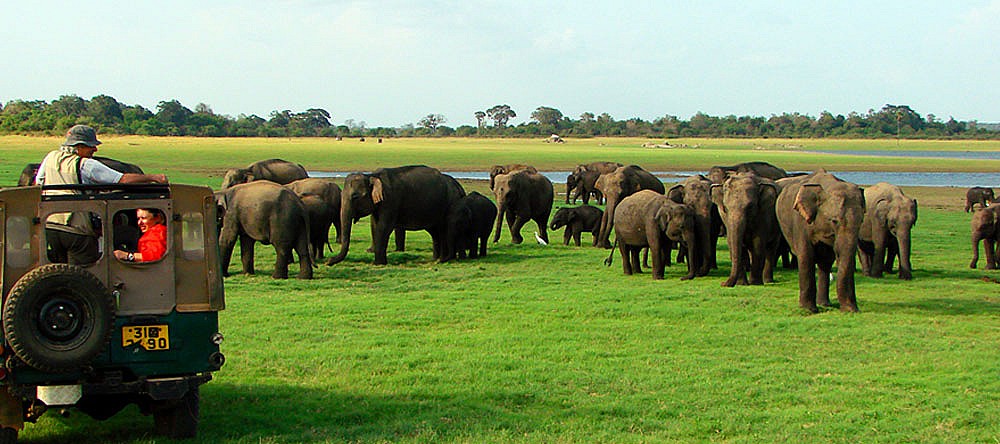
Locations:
(81, 134)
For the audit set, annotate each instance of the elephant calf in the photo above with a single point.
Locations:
(650, 219)
(577, 220)
(470, 222)
(267, 212)
(978, 195)
(986, 228)
(885, 231)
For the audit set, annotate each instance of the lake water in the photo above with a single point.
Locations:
(940, 179)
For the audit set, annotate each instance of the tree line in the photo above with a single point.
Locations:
(171, 118)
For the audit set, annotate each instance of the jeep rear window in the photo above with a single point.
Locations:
(18, 240)
(193, 236)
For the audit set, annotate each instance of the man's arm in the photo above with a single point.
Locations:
(142, 178)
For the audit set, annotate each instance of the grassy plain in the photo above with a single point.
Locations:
(546, 344)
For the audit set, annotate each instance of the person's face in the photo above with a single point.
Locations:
(84, 150)
(147, 219)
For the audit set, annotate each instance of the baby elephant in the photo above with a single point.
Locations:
(470, 222)
(577, 220)
(978, 195)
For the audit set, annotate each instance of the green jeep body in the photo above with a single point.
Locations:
(104, 335)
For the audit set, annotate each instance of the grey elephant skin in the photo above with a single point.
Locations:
(985, 226)
(577, 220)
(717, 174)
(470, 222)
(617, 185)
(696, 192)
(522, 196)
(746, 204)
(271, 214)
(321, 197)
(413, 197)
(276, 170)
(29, 171)
(497, 170)
(886, 231)
(978, 195)
(820, 217)
(650, 219)
(583, 184)
(582, 181)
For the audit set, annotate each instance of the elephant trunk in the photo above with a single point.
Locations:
(734, 238)
(501, 208)
(346, 222)
(905, 270)
(607, 221)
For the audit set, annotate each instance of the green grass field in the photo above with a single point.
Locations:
(546, 344)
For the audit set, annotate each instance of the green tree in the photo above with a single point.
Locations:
(432, 121)
(71, 105)
(545, 115)
(501, 114)
(105, 110)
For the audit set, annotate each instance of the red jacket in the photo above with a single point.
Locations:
(153, 243)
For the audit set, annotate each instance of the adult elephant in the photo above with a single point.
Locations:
(746, 204)
(321, 197)
(650, 219)
(583, 184)
(497, 170)
(267, 212)
(617, 185)
(470, 222)
(275, 170)
(413, 197)
(986, 228)
(696, 192)
(978, 195)
(717, 174)
(885, 231)
(29, 171)
(602, 167)
(522, 196)
(820, 216)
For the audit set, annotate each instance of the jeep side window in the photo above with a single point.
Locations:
(193, 236)
(73, 237)
(18, 241)
(140, 235)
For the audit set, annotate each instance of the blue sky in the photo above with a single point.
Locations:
(389, 63)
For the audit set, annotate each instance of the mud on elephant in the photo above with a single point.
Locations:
(746, 204)
(885, 231)
(414, 197)
(618, 185)
(577, 220)
(522, 196)
(650, 219)
(276, 170)
(820, 216)
(267, 212)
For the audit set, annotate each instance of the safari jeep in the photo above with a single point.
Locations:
(100, 336)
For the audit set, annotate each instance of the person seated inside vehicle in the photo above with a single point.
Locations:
(152, 244)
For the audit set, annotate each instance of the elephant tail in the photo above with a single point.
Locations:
(611, 257)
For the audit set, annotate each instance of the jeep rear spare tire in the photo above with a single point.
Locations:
(58, 318)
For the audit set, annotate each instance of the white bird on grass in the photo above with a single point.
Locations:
(540, 240)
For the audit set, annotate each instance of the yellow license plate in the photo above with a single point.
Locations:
(149, 337)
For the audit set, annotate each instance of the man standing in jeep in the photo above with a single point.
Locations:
(71, 236)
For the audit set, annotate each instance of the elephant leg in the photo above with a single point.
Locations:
(824, 269)
(990, 245)
(400, 235)
(891, 251)
(227, 242)
(878, 257)
(482, 244)
(807, 283)
(577, 232)
(380, 241)
(305, 260)
(865, 252)
(515, 229)
(657, 252)
(845, 285)
(626, 253)
(756, 261)
(636, 264)
(975, 251)
(283, 255)
(567, 235)
(246, 253)
(543, 225)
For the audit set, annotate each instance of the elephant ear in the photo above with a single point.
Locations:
(376, 190)
(676, 193)
(807, 201)
(715, 194)
(768, 191)
(662, 217)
